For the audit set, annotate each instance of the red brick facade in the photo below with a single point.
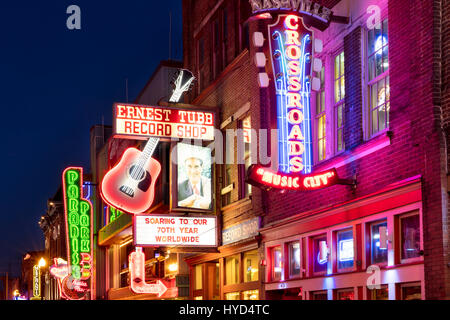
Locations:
(419, 42)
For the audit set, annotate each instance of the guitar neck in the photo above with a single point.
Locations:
(149, 149)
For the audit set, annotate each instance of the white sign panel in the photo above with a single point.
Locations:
(153, 230)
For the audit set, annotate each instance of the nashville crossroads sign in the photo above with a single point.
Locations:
(264, 177)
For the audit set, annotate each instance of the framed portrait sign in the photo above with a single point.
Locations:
(192, 178)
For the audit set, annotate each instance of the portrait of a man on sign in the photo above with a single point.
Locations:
(194, 176)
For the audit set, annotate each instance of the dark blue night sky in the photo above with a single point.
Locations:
(55, 84)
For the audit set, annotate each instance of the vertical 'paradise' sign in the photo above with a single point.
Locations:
(79, 222)
(291, 49)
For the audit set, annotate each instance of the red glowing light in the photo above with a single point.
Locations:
(260, 176)
(137, 276)
(138, 195)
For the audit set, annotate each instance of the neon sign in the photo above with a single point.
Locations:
(291, 48)
(79, 222)
(308, 8)
(154, 230)
(182, 84)
(113, 213)
(137, 276)
(139, 121)
(130, 185)
(260, 176)
(345, 248)
(36, 283)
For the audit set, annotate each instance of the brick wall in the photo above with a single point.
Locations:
(353, 133)
(419, 98)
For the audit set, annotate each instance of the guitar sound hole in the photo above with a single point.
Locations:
(137, 173)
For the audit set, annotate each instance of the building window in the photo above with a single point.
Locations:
(251, 266)
(378, 250)
(345, 250)
(345, 294)
(277, 263)
(226, 181)
(339, 99)
(198, 277)
(294, 259)
(124, 252)
(410, 291)
(410, 236)
(228, 169)
(201, 52)
(319, 254)
(379, 294)
(251, 295)
(232, 270)
(245, 12)
(233, 296)
(225, 36)
(379, 89)
(217, 49)
(246, 126)
(318, 295)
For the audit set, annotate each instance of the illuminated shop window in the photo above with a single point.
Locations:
(321, 118)
(318, 295)
(198, 298)
(339, 100)
(379, 89)
(233, 296)
(378, 250)
(294, 259)
(277, 263)
(232, 270)
(345, 294)
(410, 291)
(198, 277)
(379, 294)
(319, 254)
(124, 252)
(251, 266)
(345, 250)
(410, 236)
(251, 295)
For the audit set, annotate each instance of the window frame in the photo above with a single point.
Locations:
(245, 189)
(369, 83)
(338, 104)
(336, 293)
(369, 259)
(399, 245)
(336, 251)
(274, 278)
(289, 259)
(313, 255)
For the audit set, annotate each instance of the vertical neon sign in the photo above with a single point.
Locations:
(291, 48)
(79, 221)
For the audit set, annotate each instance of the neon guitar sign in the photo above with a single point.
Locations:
(130, 185)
